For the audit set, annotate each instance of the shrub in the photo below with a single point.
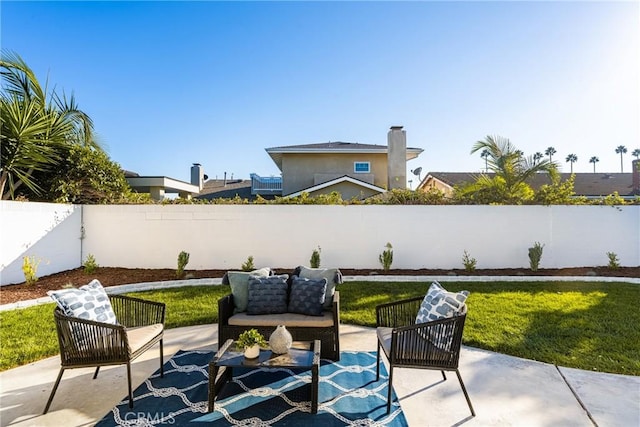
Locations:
(314, 262)
(248, 264)
(90, 264)
(535, 254)
(468, 262)
(30, 269)
(614, 261)
(386, 257)
(183, 260)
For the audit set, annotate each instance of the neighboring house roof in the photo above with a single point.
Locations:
(226, 189)
(336, 181)
(585, 184)
(147, 184)
(333, 148)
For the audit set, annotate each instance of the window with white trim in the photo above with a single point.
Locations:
(361, 167)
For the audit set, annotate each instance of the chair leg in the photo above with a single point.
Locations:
(466, 395)
(161, 361)
(95, 375)
(129, 383)
(53, 392)
(378, 364)
(390, 388)
(444, 377)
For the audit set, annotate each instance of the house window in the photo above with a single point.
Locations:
(361, 167)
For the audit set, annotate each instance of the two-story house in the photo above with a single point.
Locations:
(352, 169)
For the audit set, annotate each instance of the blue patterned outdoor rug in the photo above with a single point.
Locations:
(349, 395)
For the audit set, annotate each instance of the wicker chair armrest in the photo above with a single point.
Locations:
(133, 312)
(225, 309)
(398, 314)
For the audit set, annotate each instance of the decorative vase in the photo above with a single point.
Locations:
(280, 340)
(252, 352)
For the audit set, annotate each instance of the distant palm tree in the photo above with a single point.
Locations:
(621, 149)
(485, 155)
(594, 160)
(636, 153)
(572, 158)
(550, 152)
(537, 157)
(511, 170)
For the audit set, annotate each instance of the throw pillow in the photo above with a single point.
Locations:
(440, 304)
(332, 275)
(307, 296)
(90, 302)
(239, 282)
(267, 295)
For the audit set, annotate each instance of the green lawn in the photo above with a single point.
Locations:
(592, 326)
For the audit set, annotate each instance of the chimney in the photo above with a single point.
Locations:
(197, 175)
(635, 171)
(397, 158)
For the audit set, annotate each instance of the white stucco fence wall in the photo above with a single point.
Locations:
(48, 232)
(223, 236)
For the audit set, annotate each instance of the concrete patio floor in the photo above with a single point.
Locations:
(504, 390)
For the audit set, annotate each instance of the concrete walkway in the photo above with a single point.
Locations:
(505, 390)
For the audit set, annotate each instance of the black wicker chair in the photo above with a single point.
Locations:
(85, 343)
(433, 345)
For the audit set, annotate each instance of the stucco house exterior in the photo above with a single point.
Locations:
(354, 170)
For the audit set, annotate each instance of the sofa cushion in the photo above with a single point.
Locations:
(267, 295)
(332, 275)
(90, 302)
(286, 319)
(239, 283)
(140, 336)
(307, 296)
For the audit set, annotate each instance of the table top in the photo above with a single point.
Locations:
(303, 354)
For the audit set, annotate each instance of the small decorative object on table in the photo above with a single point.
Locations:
(280, 340)
(250, 341)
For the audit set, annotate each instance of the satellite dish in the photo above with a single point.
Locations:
(417, 172)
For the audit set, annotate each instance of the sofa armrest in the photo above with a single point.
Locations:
(225, 309)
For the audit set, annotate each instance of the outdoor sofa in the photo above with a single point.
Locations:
(235, 318)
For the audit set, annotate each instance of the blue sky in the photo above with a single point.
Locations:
(172, 83)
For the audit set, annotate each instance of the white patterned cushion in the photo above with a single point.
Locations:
(440, 304)
(90, 302)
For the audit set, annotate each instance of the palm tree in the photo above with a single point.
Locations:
(537, 156)
(36, 130)
(594, 160)
(485, 156)
(636, 153)
(572, 158)
(621, 149)
(511, 168)
(550, 152)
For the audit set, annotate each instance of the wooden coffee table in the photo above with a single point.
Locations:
(302, 355)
